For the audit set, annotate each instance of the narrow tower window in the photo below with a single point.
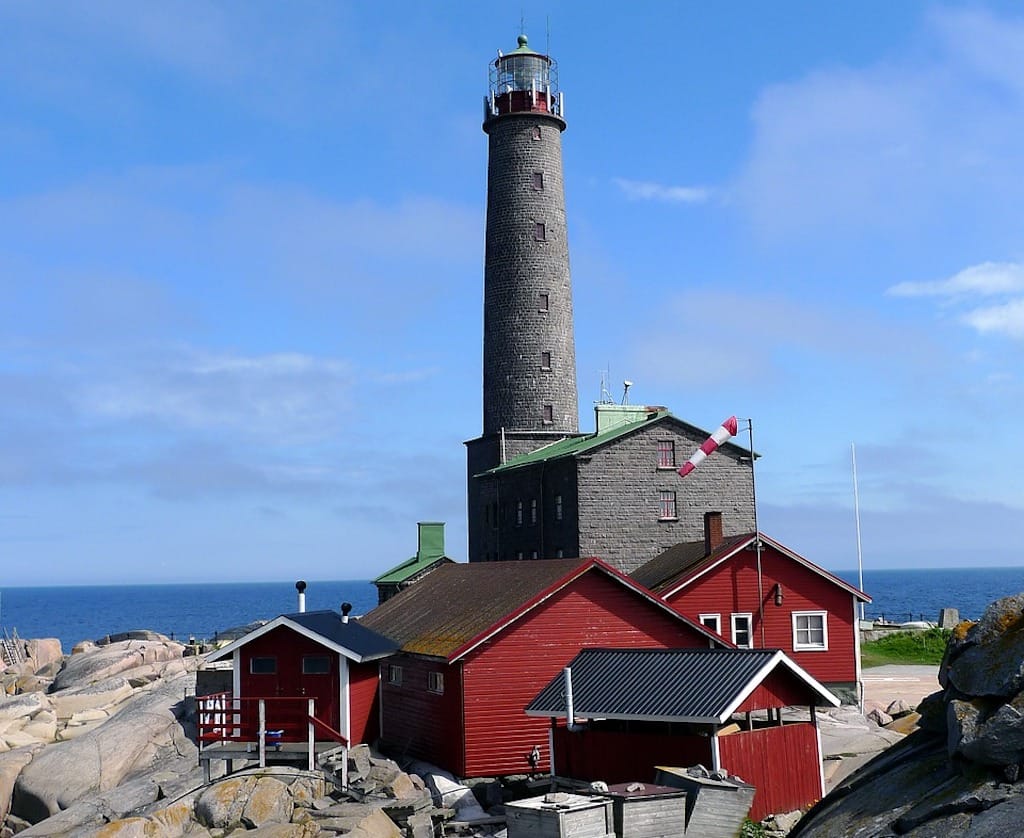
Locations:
(548, 414)
(539, 233)
(533, 513)
(545, 360)
(558, 507)
(543, 302)
(538, 180)
(536, 132)
(519, 513)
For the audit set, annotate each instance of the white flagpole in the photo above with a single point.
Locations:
(856, 512)
(757, 534)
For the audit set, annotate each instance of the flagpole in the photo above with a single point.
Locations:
(856, 512)
(757, 534)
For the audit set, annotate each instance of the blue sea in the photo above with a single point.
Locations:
(205, 610)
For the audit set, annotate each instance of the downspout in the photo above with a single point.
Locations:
(570, 709)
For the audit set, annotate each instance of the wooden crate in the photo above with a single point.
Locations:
(560, 815)
(714, 808)
(645, 810)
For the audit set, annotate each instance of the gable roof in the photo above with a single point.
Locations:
(456, 607)
(356, 642)
(409, 568)
(576, 445)
(702, 686)
(671, 571)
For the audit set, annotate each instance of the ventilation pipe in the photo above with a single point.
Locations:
(346, 609)
(300, 586)
(570, 708)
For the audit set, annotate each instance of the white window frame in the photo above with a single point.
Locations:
(394, 675)
(750, 629)
(716, 617)
(811, 647)
(435, 682)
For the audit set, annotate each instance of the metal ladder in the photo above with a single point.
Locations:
(10, 647)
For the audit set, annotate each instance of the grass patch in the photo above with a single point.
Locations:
(926, 647)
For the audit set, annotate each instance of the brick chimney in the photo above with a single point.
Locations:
(712, 531)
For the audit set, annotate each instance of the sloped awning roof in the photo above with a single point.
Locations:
(346, 637)
(701, 686)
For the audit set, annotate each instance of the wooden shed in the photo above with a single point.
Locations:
(478, 641)
(681, 707)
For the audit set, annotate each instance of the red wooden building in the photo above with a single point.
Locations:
(301, 678)
(775, 600)
(720, 708)
(478, 641)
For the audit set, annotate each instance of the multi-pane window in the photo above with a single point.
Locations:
(539, 232)
(810, 630)
(667, 506)
(558, 507)
(741, 634)
(545, 360)
(519, 513)
(712, 621)
(548, 414)
(666, 453)
(538, 180)
(435, 682)
(533, 511)
(394, 675)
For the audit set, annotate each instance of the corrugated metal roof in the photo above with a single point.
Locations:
(409, 568)
(457, 602)
(686, 685)
(573, 446)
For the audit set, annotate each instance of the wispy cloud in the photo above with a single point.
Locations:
(638, 190)
(986, 279)
(1006, 319)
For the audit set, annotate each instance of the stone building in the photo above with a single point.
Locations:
(537, 487)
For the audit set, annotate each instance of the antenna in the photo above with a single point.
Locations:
(625, 391)
(522, 19)
(606, 395)
(547, 35)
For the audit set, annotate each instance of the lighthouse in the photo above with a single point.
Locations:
(529, 354)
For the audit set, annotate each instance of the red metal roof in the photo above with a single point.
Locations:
(457, 606)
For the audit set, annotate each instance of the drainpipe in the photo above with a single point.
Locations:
(300, 586)
(570, 710)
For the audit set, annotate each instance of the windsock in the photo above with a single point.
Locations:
(726, 429)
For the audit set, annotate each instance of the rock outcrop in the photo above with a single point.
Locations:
(961, 774)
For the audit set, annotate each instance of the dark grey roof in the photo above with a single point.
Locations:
(359, 639)
(685, 685)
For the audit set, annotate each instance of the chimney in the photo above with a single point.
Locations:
(300, 586)
(712, 531)
(346, 608)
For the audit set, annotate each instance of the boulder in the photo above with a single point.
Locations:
(898, 708)
(45, 655)
(880, 717)
(83, 669)
(84, 700)
(22, 706)
(11, 764)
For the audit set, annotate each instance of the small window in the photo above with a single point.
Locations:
(810, 630)
(394, 675)
(666, 453)
(545, 360)
(667, 506)
(559, 553)
(558, 507)
(538, 180)
(533, 554)
(533, 511)
(539, 232)
(543, 301)
(536, 132)
(741, 634)
(519, 556)
(435, 682)
(263, 666)
(316, 665)
(548, 414)
(711, 621)
(519, 513)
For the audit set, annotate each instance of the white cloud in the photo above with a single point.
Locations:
(986, 279)
(1006, 319)
(636, 190)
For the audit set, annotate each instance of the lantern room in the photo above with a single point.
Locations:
(523, 81)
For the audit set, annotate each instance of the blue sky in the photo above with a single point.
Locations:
(241, 270)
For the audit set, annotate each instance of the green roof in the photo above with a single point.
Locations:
(410, 567)
(576, 445)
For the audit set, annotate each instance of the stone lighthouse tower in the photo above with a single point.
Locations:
(529, 359)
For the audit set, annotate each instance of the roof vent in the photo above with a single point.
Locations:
(300, 586)
(346, 609)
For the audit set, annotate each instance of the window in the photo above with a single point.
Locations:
(533, 512)
(667, 506)
(543, 301)
(559, 553)
(545, 360)
(519, 513)
(263, 666)
(711, 621)
(538, 180)
(558, 507)
(435, 682)
(548, 414)
(394, 675)
(316, 665)
(666, 453)
(539, 233)
(810, 630)
(519, 556)
(533, 554)
(536, 132)
(741, 634)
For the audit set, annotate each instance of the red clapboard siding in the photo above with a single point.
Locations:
(418, 722)
(364, 701)
(756, 755)
(504, 674)
(621, 757)
(780, 689)
(731, 587)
